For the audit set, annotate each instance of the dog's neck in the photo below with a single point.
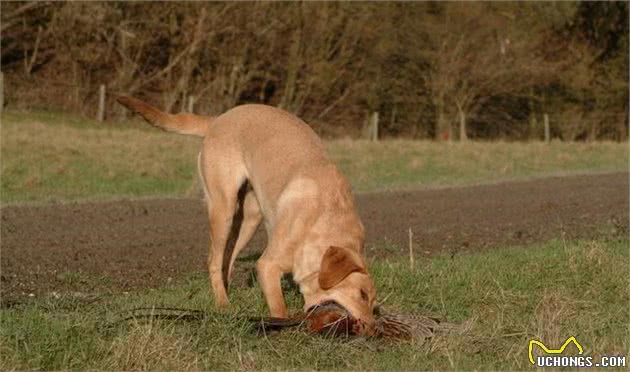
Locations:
(309, 287)
(309, 283)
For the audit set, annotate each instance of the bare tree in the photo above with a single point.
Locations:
(477, 51)
(445, 70)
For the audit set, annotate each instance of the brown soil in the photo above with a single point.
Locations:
(146, 243)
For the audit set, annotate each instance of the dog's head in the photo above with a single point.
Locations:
(343, 279)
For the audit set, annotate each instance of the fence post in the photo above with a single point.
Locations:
(191, 104)
(374, 126)
(101, 103)
(412, 262)
(547, 131)
(1, 91)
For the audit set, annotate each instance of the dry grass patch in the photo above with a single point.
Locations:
(150, 347)
(9, 358)
(552, 318)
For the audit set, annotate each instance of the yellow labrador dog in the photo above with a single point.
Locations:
(262, 163)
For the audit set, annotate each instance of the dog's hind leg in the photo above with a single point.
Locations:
(220, 212)
(250, 221)
(222, 183)
(202, 180)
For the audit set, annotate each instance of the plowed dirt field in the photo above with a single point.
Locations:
(145, 243)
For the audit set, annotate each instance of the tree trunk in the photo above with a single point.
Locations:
(623, 132)
(288, 97)
(441, 132)
(1, 91)
(533, 122)
(448, 136)
(392, 121)
(76, 94)
(463, 137)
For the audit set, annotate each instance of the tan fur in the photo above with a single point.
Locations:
(182, 123)
(306, 205)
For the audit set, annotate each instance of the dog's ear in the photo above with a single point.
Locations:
(337, 264)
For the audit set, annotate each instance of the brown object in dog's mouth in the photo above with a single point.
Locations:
(327, 318)
(332, 319)
(331, 323)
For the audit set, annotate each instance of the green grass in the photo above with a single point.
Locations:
(397, 164)
(506, 297)
(52, 156)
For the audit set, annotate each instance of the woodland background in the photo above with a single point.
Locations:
(448, 71)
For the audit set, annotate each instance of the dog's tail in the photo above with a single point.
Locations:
(183, 123)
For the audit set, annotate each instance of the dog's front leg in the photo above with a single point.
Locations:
(269, 277)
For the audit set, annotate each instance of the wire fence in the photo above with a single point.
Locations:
(98, 101)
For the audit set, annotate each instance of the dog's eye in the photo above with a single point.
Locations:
(364, 295)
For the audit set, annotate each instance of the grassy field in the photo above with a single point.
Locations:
(50, 156)
(505, 298)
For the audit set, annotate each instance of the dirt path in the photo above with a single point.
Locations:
(143, 243)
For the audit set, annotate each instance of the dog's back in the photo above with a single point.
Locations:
(276, 146)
